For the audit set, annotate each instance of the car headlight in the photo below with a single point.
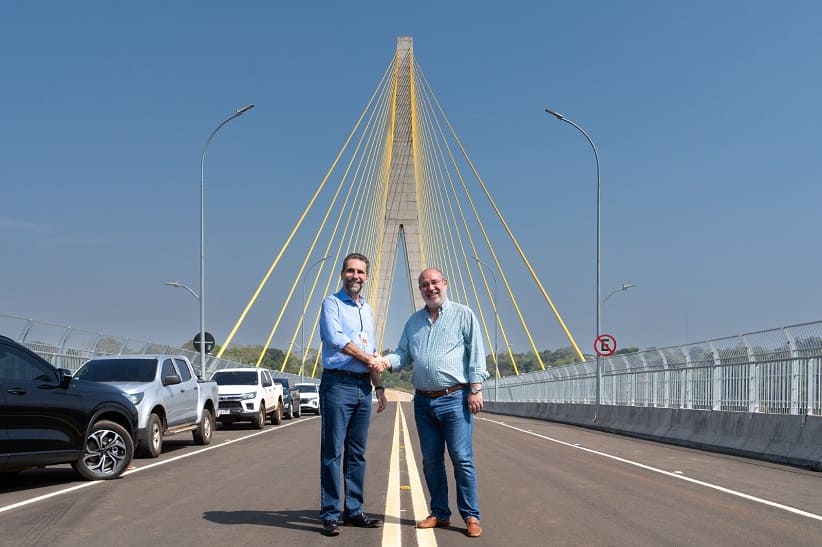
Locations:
(135, 398)
(249, 395)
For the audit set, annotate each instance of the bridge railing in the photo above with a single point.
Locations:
(776, 371)
(68, 347)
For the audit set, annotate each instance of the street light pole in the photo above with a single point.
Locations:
(239, 112)
(496, 327)
(302, 317)
(562, 118)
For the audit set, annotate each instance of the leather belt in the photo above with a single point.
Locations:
(348, 373)
(440, 393)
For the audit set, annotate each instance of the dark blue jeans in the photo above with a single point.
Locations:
(345, 405)
(446, 422)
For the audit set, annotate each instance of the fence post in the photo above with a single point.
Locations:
(754, 374)
(716, 377)
(796, 372)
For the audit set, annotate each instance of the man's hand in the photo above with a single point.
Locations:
(378, 363)
(381, 400)
(475, 402)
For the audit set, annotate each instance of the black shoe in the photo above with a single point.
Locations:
(361, 521)
(330, 528)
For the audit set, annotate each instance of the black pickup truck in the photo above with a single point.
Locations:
(291, 398)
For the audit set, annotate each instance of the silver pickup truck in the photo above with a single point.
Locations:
(167, 393)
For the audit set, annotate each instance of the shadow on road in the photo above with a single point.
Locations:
(304, 520)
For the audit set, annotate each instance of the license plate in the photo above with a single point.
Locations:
(223, 412)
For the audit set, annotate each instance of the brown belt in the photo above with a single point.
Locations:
(440, 393)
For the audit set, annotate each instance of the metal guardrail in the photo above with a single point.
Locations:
(68, 347)
(775, 371)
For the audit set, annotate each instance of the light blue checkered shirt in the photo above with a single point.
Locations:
(444, 353)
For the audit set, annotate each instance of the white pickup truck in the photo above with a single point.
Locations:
(167, 393)
(248, 394)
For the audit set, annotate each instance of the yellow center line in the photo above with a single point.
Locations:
(392, 535)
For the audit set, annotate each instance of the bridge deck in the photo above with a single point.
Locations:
(540, 484)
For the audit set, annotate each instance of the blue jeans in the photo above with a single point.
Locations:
(345, 405)
(446, 422)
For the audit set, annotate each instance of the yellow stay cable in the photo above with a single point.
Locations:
(474, 248)
(510, 234)
(374, 116)
(308, 207)
(439, 165)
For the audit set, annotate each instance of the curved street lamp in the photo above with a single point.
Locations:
(181, 286)
(624, 287)
(562, 118)
(201, 298)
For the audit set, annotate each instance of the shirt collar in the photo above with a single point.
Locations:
(444, 307)
(345, 297)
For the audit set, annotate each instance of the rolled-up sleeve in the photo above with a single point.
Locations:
(402, 355)
(477, 371)
(331, 331)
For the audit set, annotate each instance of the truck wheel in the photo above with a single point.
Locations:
(259, 420)
(151, 445)
(277, 415)
(203, 433)
(298, 412)
(290, 414)
(106, 453)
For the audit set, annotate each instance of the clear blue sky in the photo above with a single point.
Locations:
(706, 115)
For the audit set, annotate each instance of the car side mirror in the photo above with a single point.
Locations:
(171, 380)
(63, 377)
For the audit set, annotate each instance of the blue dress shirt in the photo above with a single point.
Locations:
(342, 321)
(444, 353)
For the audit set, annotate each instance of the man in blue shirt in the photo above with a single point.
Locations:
(347, 333)
(444, 343)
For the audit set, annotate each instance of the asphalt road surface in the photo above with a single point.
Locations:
(540, 484)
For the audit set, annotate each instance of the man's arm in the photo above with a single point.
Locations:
(376, 379)
(372, 361)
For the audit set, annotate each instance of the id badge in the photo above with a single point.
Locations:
(363, 340)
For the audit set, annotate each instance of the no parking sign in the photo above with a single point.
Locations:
(605, 345)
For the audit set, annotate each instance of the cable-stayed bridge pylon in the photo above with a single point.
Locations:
(398, 192)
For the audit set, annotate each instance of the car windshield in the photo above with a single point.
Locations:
(235, 378)
(282, 381)
(118, 370)
(307, 388)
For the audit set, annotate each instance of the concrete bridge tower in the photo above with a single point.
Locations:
(401, 227)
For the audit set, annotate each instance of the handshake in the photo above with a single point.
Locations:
(378, 363)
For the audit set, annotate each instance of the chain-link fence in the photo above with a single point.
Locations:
(776, 371)
(67, 347)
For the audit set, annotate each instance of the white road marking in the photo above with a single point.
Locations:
(674, 475)
(31, 501)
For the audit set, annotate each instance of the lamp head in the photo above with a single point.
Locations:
(557, 115)
(244, 109)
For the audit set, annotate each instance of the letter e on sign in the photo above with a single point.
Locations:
(605, 345)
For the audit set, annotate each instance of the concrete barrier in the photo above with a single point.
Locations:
(792, 440)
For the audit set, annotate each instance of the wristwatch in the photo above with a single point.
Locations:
(475, 390)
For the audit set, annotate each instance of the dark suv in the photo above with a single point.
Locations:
(47, 418)
(291, 398)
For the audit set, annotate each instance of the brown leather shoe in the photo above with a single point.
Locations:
(432, 522)
(474, 529)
